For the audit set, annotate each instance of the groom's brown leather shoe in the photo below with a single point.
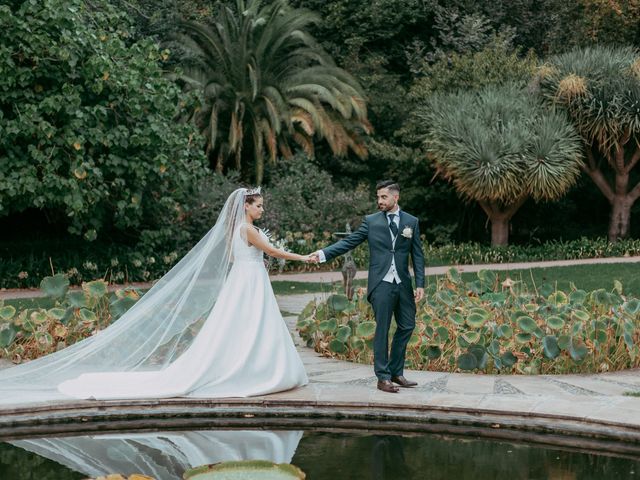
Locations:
(387, 386)
(403, 382)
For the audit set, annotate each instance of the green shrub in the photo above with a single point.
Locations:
(492, 326)
(88, 129)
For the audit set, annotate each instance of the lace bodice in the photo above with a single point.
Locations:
(242, 251)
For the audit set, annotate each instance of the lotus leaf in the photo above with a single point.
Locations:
(253, 469)
(38, 316)
(467, 361)
(7, 312)
(577, 349)
(87, 315)
(445, 297)
(550, 347)
(505, 331)
(356, 343)
(471, 337)
(527, 324)
(481, 355)
(523, 337)
(77, 298)
(55, 286)
(508, 359)
(431, 351)
(328, 326)
(366, 330)
(338, 303)
(96, 289)
(415, 340)
(336, 346)
(487, 276)
(578, 297)
(56, 313)
(558, 298)
(546, 289)
(443, 334)
(617, 286)
(343, 333)
(7, 335)
(454, 275)
(580, 315)
(554, 322)
(120, 306)
(456, 318)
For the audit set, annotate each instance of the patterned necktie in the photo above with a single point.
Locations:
(392, 224)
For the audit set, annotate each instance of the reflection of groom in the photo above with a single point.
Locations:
(392, 235)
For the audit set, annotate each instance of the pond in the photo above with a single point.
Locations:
(320, 454)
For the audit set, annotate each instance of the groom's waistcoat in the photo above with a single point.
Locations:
(375, 229)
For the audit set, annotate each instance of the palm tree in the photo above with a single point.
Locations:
(599, 88)
(267, 87)
(499, 146)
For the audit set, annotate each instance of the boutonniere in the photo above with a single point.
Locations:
(407, 232)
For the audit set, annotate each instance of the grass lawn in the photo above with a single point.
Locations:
(586, 277)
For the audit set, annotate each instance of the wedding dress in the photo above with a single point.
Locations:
(244, 348)
(210, 327)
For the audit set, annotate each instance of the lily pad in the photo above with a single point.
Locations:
(527, 324)
(508, 359)
(95, 289)
(253, 469)
(550, 347)
(55, 286)
(7, 336)
(328, 326)
(343, 333)
(336, 346)
(554, 322)
(338, 303)
(366, 330)
(7, 312)
(467, 361)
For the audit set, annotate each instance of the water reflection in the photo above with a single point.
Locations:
(164, 456)
(322, 455)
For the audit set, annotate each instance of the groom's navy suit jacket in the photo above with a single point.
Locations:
(375, 229)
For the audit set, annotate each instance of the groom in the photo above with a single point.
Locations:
(393, 235)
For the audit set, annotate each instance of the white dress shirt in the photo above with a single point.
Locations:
(392, 274)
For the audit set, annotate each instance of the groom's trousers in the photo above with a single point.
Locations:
(387, 300)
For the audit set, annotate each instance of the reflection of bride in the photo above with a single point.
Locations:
(209, 328)
(164, 455)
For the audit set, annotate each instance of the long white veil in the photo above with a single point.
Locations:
(163, 455)
(153, 333)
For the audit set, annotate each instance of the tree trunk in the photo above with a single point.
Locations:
(500, 215)
(620, 217)
(499, 230)
(618, 194)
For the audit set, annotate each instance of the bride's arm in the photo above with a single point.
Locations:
(258, 241)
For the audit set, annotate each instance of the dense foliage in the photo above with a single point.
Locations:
(491, 325)
(499, 146)
(87, 130)
(268, 88)
(599, 87)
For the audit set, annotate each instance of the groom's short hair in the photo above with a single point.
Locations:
(390, 184)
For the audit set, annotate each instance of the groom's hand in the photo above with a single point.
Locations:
(419, 294)
(314, 258)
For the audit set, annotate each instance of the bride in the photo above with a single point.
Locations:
(210, 327)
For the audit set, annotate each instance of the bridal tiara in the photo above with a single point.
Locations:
(253, 191)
